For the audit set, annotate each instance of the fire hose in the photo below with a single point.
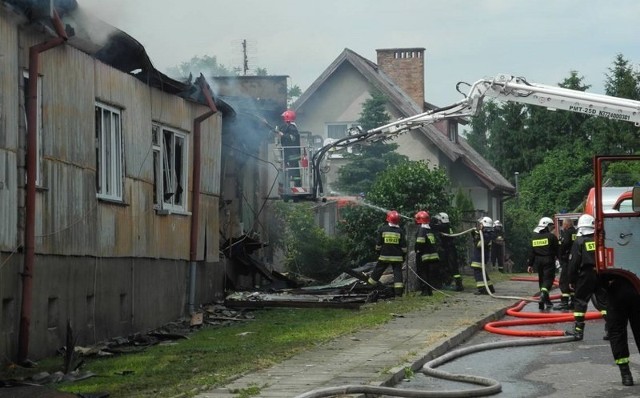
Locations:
(487, 386)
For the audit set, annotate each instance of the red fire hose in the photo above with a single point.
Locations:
(533, 318)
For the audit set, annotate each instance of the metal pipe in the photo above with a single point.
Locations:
(31, 164)
(195, 197)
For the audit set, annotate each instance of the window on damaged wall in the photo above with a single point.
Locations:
(25, 81)
(170, 168)
(108, 152)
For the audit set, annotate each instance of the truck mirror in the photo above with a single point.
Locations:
(635, 199)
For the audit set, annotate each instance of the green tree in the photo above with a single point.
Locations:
(368, 160)
(559, 183)
(309, 251)
(407, 187)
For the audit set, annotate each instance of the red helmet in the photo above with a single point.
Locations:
(422, 217)
(393, 217)
(289, 116)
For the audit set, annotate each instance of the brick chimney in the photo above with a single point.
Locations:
(405, 66)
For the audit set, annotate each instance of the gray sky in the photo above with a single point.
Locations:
(465, 40)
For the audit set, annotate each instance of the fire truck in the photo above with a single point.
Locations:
(617, 231)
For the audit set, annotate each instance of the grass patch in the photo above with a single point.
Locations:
(212, 357)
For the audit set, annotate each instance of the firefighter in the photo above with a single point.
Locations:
(567, 236)
(484, 227)
(391, 245)
(497, 246)
(542, 257)
(290, 142)
(623, 308)
(427, 257)
(448, 251)
(581, 271)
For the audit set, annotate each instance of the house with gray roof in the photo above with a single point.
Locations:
(333, 103)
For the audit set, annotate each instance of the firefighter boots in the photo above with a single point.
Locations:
(544, 301)
(625, 373)
(577, 332)
(397, 291)
(459, 286)
(564, 304)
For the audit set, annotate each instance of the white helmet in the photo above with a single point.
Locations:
(444, 217)
(586, 224)
(497, 223)
(486, 222)
(543, 223)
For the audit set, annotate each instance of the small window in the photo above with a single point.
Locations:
(108, 152)
(25, 81)
(336, 131)
(452, 127)
(170, 168)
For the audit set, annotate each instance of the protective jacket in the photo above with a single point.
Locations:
(476, 258)
(426, 246)
(583, 256)
(391, 244)
(567, 236)
(544, 249)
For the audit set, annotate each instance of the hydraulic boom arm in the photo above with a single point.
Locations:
(504, 88)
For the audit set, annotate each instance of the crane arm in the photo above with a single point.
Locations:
(503, 87)
(517, 89)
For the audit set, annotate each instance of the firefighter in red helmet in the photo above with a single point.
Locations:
(391, 245)
(426, 252)
(290, 143)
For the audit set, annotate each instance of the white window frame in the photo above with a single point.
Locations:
(171, 185)
(109, 159)
(39, 151)
(452, 127)
(338, 153)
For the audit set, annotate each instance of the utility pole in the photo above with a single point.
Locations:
(245, 58)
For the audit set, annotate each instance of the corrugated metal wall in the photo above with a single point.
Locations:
(112, 268)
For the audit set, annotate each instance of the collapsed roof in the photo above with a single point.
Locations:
(108, 44)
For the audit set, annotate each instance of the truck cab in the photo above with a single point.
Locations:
(617, 215)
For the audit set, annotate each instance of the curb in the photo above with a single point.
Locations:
(457, 339)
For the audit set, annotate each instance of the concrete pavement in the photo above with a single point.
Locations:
(380, 356)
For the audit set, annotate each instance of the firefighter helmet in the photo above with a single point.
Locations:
(444, 217)
(497, 224)
(393, 217)
(422, 217)
(544, 222)
(486, 222)
(289, 116)
(586, 224)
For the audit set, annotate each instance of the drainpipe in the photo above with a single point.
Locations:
(195, 197)
(30, 216)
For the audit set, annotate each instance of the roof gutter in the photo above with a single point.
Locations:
(30, 202)
(195, 197)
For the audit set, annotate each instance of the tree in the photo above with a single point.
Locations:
(309, 251)
(407, 187)
(369, 160)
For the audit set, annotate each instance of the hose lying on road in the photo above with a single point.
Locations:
(489, 386)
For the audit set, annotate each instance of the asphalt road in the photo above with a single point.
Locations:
(573, 369)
